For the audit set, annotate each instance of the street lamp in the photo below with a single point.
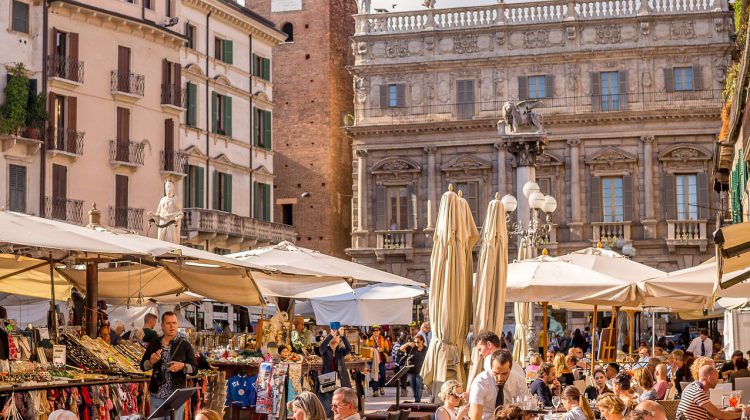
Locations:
(537, 230)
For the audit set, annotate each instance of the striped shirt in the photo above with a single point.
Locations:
(692, 402)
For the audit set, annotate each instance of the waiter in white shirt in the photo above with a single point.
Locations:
(495, 387)
(702, 345)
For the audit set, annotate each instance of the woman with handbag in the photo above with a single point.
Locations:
(333, 349)
(382, 349)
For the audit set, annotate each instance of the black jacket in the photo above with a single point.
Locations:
(335, 360)
(182, 351)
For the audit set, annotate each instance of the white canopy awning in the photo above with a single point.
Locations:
(373, 304)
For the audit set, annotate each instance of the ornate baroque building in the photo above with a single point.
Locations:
(630, 95)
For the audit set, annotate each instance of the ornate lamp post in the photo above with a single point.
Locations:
(537, 230)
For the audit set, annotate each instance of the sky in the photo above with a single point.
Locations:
(402, 5)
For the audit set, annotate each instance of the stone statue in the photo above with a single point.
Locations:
(429, 3)
(363, 6)
(168, 216)
(519, 118)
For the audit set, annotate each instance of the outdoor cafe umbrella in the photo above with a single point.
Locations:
(450, 291)
(492, 269)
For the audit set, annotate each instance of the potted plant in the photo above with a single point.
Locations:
(36, 115)
(13, 110)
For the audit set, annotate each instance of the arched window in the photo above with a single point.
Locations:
(288, 29)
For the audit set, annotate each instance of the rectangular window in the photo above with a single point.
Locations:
(262, 201)
(610, 90)
(193, 187)
(686, 190)
(222, 192)
(17, 188)
(470, 191)
(263, 129)
(59, 192)
(465, 99)
(537, 87)
(612, 205)
(223, 50)
(191, 116)
(683, 78)
(168, 7)
(121, 201)
(262, 67)
(148, 4)
(190, 35)
(221, 106)
(287, 214)
(545, 185)
(397, 208)
(20, 19)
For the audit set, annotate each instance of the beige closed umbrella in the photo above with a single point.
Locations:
(492, 271)
(450, 291)
(520, 344)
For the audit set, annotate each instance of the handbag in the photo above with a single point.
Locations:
(329, 382)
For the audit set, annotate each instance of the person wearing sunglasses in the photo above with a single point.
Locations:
(345, 404)
(451, 393)
(306, 406)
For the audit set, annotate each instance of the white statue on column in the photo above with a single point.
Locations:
(168, 216)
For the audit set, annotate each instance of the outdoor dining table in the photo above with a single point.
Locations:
(414, 415)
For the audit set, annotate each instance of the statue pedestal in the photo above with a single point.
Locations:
(525, 147)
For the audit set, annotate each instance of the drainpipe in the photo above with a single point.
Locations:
(252, 126)
(208, 124)
(43, 156)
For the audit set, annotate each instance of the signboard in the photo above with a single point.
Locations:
(59, 355)
(285, 5)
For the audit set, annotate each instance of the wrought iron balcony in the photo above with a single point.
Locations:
(65, 209)
(65, 68)
(66, 140)
(127, 218)
(173, 95)
(128, 83)
(127, 153)
(173, 161)
(202, 224)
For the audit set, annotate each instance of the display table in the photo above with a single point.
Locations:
(414, 415)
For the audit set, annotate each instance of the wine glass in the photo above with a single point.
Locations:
(556, 402)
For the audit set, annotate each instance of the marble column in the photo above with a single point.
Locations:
(649, 222)
(431, 187)
(576, 225)
(501, 168)
(360, 235)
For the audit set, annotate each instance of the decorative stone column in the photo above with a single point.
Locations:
(649, 222)
(432, 203)
(359, 236)
(501, 168)
(576, 225)
(525, 150)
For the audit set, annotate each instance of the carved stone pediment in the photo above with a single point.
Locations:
(395, 165)
(466, 163)
(611, 157)
(262, 170)
(548, 159)
(684, 154)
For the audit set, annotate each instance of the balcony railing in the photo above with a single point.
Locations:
(66, 140)
(572, 105)
(236, 228)
(126, 152)
(64, 209)
(395, 239)
(130, 83)
(686, 233)
(174, 161)
(173, 95)
(127, 218)
(65, 68)
(607, 232)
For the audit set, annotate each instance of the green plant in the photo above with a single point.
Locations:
(37, 110)
(730, 81)
(13, 110)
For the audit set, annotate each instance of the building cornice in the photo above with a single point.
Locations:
(245, 21)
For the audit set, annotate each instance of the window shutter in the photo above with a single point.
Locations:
(165, 80)
(596, 92)
(267, 129)
(697, 79)
(380, 205)
(53, 42)
(188, 184)
(59, 182)
(228, 115)
(595, 200)
(176, 83)
(255, 120)
(169, 141)
(549, 81)
(267, 202)
(17, 188)
(228, 193)
(401, 95)
(622, 77)
(214, 112)
(704, 203)
(523, 87)
(254, 65)
(215, 191)
(267, 69)
(74, 56)
(627, 198)
(411, 205)
(669, 196)
(121, 194)
(192, 105)
(200, 191)
(51, 98)
(384, 96)
(669, 79)
(256, 202)
(72, 109)
(228, 45)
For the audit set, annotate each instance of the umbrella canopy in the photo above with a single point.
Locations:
(369, 305)
(522, 312)
(450, 291)
(290, 259)
(612, 264)
(492, 270)
(540, 280)
(698, 282)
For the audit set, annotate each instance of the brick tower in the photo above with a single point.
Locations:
(312, 91)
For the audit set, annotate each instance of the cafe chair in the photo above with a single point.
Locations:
(671, 393)
(393, 415)
(670, 407)
(404, 414)
(743, 384)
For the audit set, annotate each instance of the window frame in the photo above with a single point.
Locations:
(682, 86)
(609, 80)
(12, 27)
(25, 188)
(689, 209)
(219, 48)
(540, 82)
(612, 205)
(474, 202)
(402, 193)
(190, 33)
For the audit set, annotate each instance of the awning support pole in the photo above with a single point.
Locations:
(92, 297)
(593, 342)
(52, 306)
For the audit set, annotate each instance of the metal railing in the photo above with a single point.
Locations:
(394, 239)
(66, 140)
(216, 221)
(174, 161)
(173, 94)
(571, 105)
(126, 152)
(131, 83)
(65, 68)
(65, 209)
(126, 217)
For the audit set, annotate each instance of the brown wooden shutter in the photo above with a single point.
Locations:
(380, 208)
(121, 191)
(622, 77)
(71, 135)
(384, 96)
(165, 91)
(549, 87)
(177, 84)
(53, 42)
(52, 117)
(669, 79)
(401, 95)
(697, 78)
(169, 136)
(595, 199)
(74, 66)
(669, 197)
(523, 87)
(596, 92)
(704, 204)
(59, 182)
(123, 69)
(627, 198)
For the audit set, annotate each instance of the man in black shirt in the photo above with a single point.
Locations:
(729, 366)
(541, 386)
(416, 352)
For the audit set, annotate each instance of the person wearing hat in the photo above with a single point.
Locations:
(301, 336)
(382, 350)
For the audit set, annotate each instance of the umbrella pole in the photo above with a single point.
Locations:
(593, 343)
(545, 339)
(630, 330)
(53, 308)
(653, 332)
(615, 327)
(92, 292)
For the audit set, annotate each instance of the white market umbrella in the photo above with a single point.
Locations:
(612, 264)
(698, 282)
(369, 305)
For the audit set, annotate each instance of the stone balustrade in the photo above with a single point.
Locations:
(609, 232)
(202, 224)
(394, 239)
(687, 233)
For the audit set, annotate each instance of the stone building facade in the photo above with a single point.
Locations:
(312, 90)
(630, 96)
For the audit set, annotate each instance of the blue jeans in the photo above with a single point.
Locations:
(380, 383)
(416, 386)
(179, 414)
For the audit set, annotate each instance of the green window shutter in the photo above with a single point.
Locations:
(267, 202)
(254, 126)
(186, 186)
(228, 52)
(200, 191)
(228, 115)
(267, 69)
(256, 201)
(192, 106)
(215, 191)
(253, 66)
(228, 193)
(214, 112)
(267, 129)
